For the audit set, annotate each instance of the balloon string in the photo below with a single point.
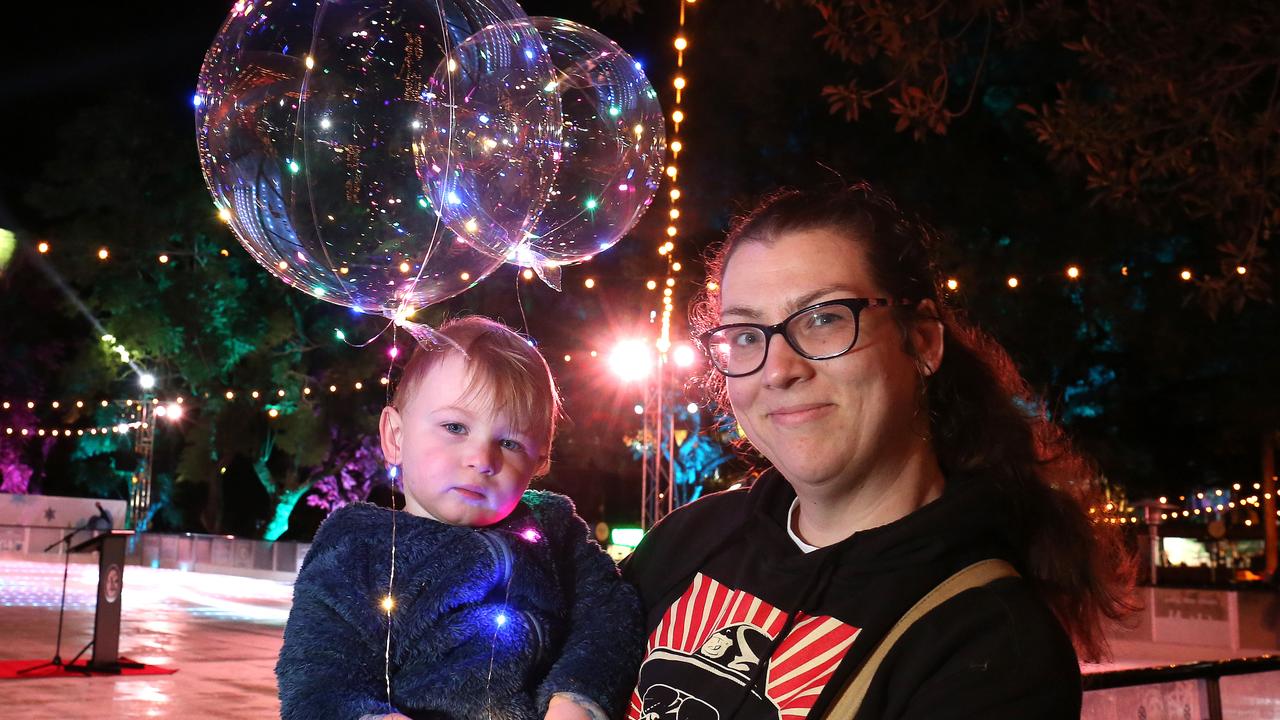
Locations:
(386, 667)
(493, 644)
(390, 324)
(524, 319)
(391, 365)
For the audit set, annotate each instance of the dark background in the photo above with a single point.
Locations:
(1169, 386)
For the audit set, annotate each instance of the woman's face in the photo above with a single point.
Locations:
(828, 425)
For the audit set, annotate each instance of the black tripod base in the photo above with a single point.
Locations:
(55, 662)
(106, 669)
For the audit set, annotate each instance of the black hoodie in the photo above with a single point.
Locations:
(744, 624)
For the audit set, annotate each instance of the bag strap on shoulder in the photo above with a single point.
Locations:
(981, 573)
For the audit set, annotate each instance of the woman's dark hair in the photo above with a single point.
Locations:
(984, 418)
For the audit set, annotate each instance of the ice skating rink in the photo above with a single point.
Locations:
(221, 632)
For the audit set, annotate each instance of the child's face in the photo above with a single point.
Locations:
(460, 462)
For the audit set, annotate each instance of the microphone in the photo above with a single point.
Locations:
(103, 514)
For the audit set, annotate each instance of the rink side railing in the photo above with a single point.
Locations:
(223, 554)
(1241, 689)
(1217, 620)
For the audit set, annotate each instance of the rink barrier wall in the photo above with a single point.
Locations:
(1241, 689)
(220, 554)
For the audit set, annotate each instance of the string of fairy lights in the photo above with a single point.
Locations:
(104, 254)
(1212, 503)
(1207, 504)
(73, 430)
(172, 406)
(118, 428)
(667, 245)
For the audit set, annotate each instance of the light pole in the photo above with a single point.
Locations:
(659, 365)
(657, 491)
(644, 362)
(143, 447)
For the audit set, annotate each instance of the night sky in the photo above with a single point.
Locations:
(757, 120)
(59, 58)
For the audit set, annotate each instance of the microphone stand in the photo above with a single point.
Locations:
(66, 562)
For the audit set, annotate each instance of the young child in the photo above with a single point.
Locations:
(501, 604)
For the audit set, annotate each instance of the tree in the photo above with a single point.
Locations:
(204, 318)
(209, 321)
(923, 99)
(1167, 109)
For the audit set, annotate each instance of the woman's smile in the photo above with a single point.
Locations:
(800, 414)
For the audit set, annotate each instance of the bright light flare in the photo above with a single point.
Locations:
(684, 355)
(631, 360)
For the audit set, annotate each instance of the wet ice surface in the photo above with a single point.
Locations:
(221, 632)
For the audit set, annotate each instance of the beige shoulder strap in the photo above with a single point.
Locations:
(976, 575)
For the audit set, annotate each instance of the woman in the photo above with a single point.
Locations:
(903, 451)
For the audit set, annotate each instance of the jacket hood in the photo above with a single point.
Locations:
(968, 514)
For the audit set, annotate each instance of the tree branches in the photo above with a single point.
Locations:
(1165, 109)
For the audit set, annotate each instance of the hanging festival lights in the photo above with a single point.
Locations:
(117, 428)
(666, 246)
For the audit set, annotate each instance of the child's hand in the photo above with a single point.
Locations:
(568, 707)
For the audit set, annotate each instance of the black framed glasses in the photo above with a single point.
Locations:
(819, 332)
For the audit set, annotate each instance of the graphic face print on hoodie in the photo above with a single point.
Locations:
(710, 658)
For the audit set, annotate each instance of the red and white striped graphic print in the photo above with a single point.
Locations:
(799, 669)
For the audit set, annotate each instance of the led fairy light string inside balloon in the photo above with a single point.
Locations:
(362, 232)
(302, 128)
(404, 312)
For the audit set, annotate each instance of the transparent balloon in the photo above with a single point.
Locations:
(309, 123)
(610, 156)
(491, 138)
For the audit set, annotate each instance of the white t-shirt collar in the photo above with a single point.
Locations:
(791, 528)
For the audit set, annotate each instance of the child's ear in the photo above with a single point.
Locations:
(391, 431)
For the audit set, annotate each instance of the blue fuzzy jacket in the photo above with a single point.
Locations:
(487, 622)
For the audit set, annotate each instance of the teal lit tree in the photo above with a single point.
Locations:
(180, 298)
